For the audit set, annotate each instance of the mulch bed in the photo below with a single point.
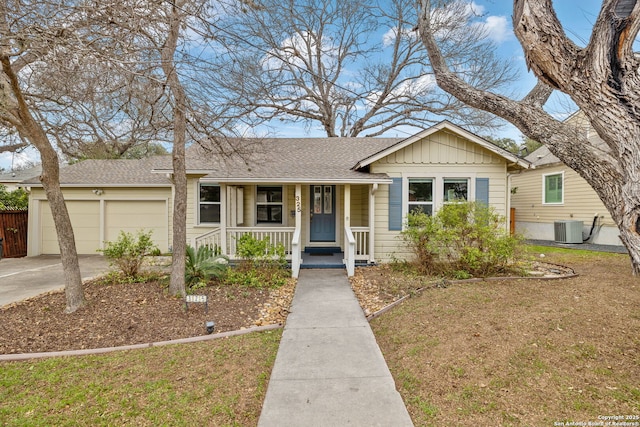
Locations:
(124, 314)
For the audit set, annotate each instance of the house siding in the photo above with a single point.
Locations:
(534, 219)
(101, 217)
(441, 155)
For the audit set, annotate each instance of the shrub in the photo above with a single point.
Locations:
(260, 253)
(263, 264)
(202, 265)
(17, 200)
(128, 251)
(461, 239)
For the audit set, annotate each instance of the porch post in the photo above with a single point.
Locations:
(224, 198)
(349, 242)
(347, 205)
(296, 250)
(372, 222)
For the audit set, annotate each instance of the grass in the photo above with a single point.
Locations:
(220, 382)
(520, 352)
(508, 353)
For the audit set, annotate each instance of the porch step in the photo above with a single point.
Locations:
(322, 260)
(322, 250)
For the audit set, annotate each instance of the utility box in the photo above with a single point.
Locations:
(568, 231)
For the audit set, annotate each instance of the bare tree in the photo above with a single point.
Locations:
(189, 109)
(601, 78)
(24, 41)
(176, 18)
(352, 67)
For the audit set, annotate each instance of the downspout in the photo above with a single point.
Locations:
(372, 224)
(509, 219)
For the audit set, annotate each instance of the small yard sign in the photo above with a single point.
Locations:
(196, 298)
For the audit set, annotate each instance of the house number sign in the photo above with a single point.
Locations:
(196, 298)
(298, 204)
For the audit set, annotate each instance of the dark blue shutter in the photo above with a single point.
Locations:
(395, 205)
(482, 190)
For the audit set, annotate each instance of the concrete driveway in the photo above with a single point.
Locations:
(22, 278)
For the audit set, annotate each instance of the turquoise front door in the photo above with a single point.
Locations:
(323, 213)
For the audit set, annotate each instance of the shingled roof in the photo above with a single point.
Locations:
(120, 172)
(285, 160)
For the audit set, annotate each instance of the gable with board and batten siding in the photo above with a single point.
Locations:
(441, 155)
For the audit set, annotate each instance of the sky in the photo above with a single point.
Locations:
(577, 18)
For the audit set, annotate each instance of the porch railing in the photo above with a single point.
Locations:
(280, 235)
(296, 258)
(349, 251)
(361, 237)
(212, 239)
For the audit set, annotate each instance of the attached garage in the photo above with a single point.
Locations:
(96, 221)
(103, 197)
(133, 215)
(85, 218)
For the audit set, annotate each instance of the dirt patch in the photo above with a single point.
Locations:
(123, 314)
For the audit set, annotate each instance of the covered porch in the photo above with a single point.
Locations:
(322, 225)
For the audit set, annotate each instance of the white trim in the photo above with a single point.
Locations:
(103, 185)
(438, 188)
(288, 181)
(197, 200)
(444, 125)
(285, 213)
(544, 187)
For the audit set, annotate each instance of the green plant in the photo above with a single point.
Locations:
(128, 251)
(13, 200)
(260, 251)
(203, 264)
(263, 264)
(461, 240)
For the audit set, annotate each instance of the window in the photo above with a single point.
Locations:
(209, 203)
(553, 192)
(269, 205)
(455, 190)
(421, 195)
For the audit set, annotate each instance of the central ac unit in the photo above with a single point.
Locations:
(568, 231)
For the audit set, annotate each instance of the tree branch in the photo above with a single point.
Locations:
(527, 115)
(550, 54)
(12, 147)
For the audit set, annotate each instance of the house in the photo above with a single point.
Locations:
(345, 195)
(552, 202)
(11, 180)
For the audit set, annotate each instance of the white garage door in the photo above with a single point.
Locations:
(85, 219)
(131, 216)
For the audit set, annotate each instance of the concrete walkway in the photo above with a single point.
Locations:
(22, 278)
(329, 370)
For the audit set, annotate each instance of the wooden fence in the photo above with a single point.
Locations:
(13, 232)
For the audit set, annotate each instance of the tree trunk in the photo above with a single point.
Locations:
(177, 281)
(600, 78)
(33, 132)
(66, 240)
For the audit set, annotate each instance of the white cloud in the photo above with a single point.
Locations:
(496, 28)
(412, 88)
(476, 9)
(389, 37)
(302, 46)
(25, 158)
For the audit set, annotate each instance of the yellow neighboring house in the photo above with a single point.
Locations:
(552, 202)
(348, 196)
